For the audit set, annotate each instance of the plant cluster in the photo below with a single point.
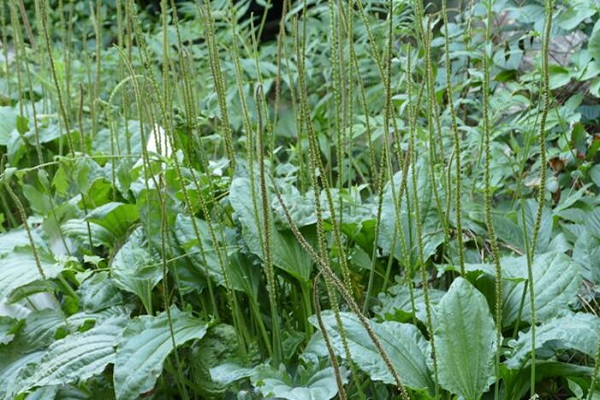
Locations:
(389, 200)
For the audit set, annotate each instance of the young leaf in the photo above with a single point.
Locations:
(145, 344)
(465, 339)
(320, 385)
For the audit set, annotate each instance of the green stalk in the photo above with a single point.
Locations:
(457, 144)
(488, 195)
(59, 92)
(323, 266)
(219, 84)
(542, 190)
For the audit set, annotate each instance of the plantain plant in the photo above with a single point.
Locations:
(389, 199)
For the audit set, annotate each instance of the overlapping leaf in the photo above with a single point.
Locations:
(145, 344)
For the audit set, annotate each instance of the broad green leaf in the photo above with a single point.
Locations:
(19, 268)
(7, 325)
(404, 218)
(577, 12)
(308, 385)
(16, 238)
(43, 393)
(508, 231)
(545, 232)
(556, 282)
(115, 217)
(397, 304)
(228, 373)
(287, 252)
(145, 344)
(39, 329)
(579, 332)
(78, 229)
(465, 341)
(218, 346)
(12, 364)
(244, 275)
(403, 343)
(592, 222)
(517, 381)
(204, 254)
(127, 140)
(99, 292)
(586, 252)
(8, 123)
(135, 270)
(594, 42)
(78, 356)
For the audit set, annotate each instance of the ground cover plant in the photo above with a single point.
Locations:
(388, 199)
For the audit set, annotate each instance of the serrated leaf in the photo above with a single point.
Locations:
(145, 344)
(465, 339)
(403, 343)
(573, 332)
(556, 282)
(19, 268)
(78, 356)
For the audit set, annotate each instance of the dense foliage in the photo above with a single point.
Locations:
(383, 201)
